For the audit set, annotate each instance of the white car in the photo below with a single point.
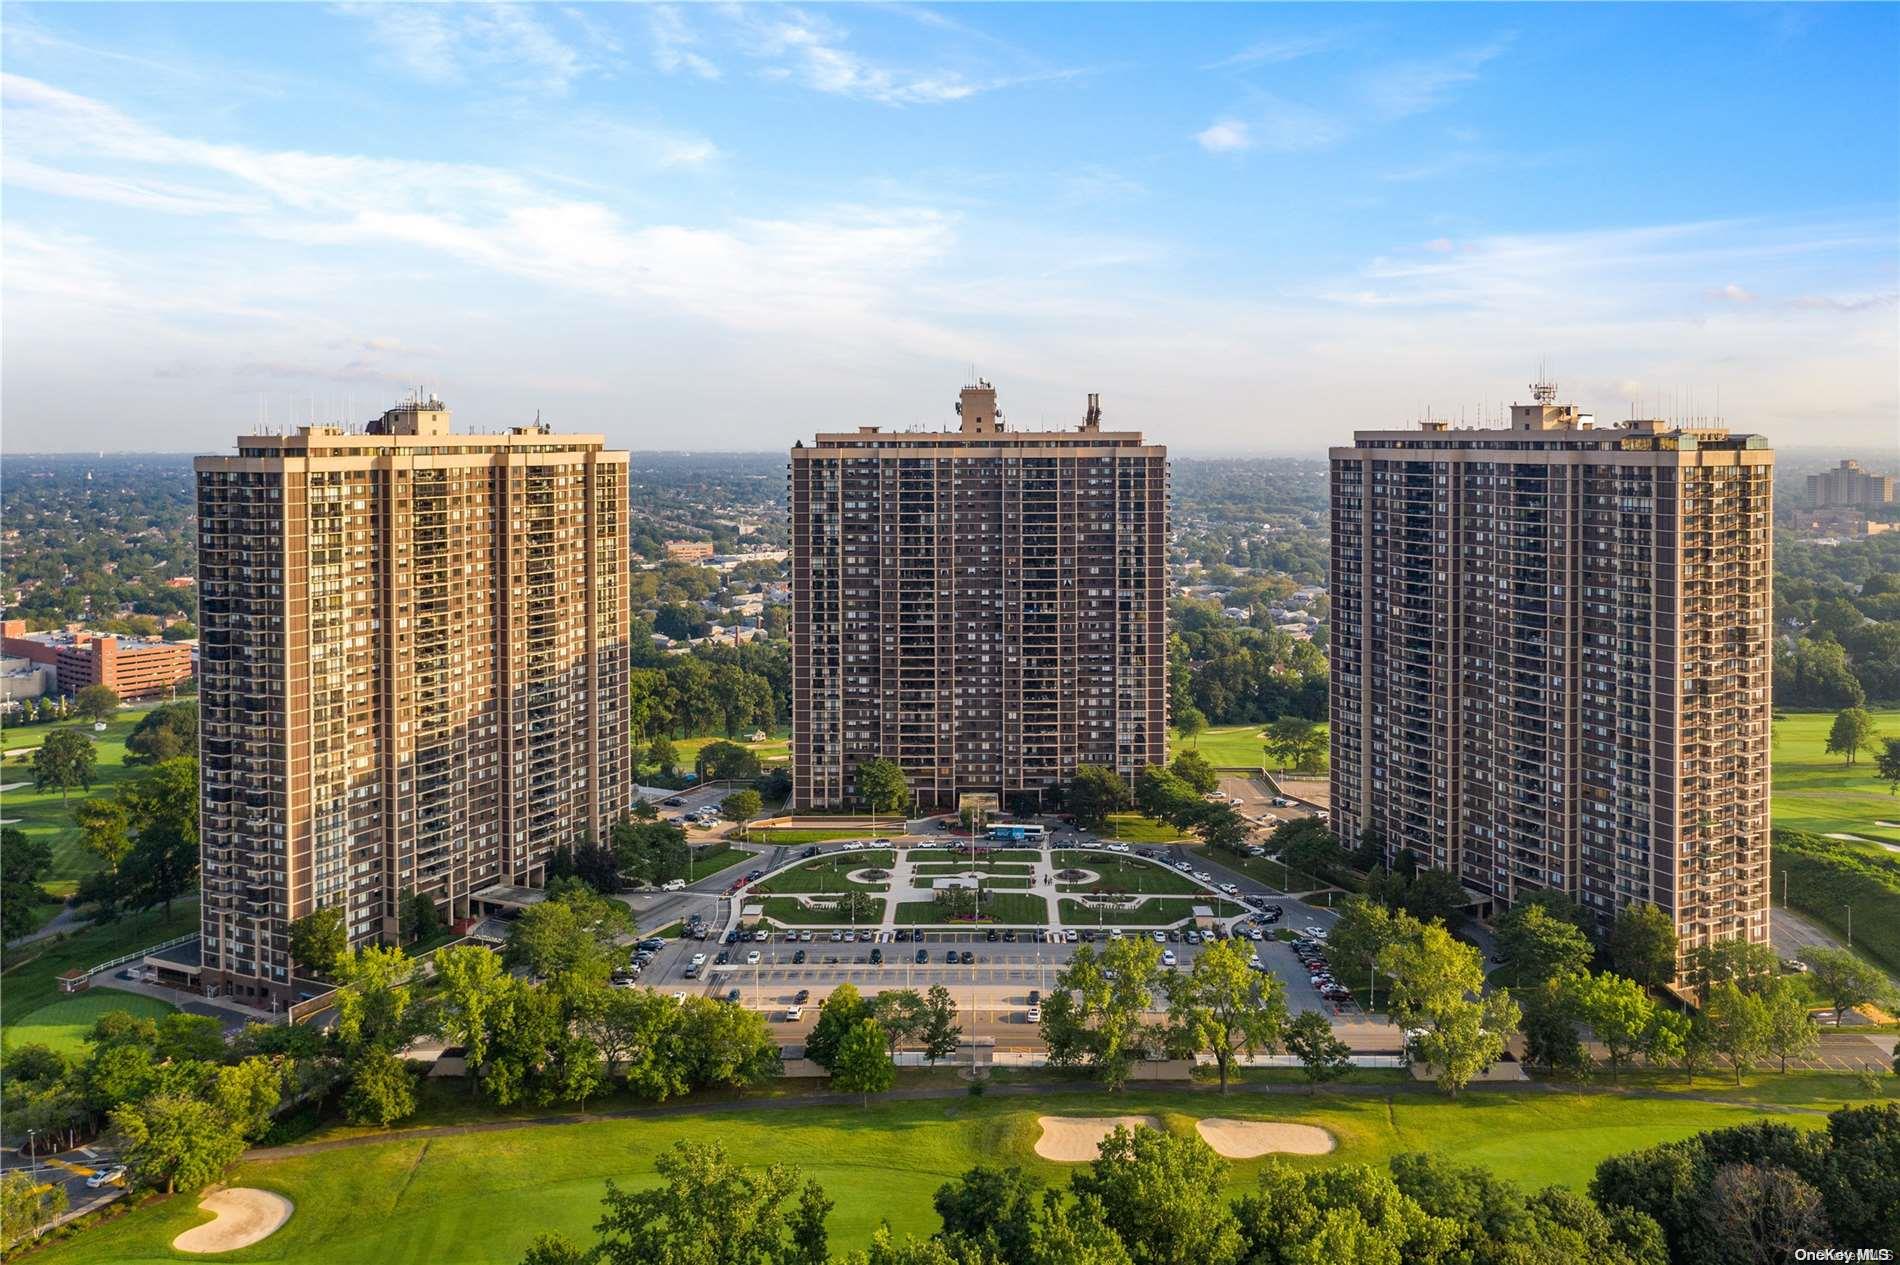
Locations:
(1161, 937)
(673, 885)
(752, 958)
(1229, 888)
(1203, 876)
(679, 997)
(106, 1176)
(1186, 867)
(1069, 935)
(1115, 933)
(699, 959)
(794, 1014)
(1035, 1014)
(1167, 957)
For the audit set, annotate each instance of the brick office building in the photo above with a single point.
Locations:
(135, 667)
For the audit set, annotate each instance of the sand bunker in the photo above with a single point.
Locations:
(244, 1216)
(1247, 1139)
(1073, 1139)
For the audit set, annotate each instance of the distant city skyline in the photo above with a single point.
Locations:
(1252, 229)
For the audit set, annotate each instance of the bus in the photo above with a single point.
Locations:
(1018, 832)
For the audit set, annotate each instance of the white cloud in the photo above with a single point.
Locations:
(1440, 246)
(759, 273)
(811, 50)
(1274, 124)
(1278, 49)
(1399, 89)
(1225, 136)
(1732, 293)
(674, 43)
(505, 43)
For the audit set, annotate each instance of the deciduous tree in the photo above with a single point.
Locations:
(1853, 731)
(1643, 945)
(1844, 978)
(1323, 1056)
(1095, 792)
(863, 1064)
(97, 703)
(175, 1142)
(65, 760)
(1096, 1015)
(319, 938)
(1221, 1006)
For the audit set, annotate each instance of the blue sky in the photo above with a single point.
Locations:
(1251, 228)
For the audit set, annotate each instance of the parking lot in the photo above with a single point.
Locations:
(992, 990)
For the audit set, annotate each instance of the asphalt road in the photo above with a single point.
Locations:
(69, 1169)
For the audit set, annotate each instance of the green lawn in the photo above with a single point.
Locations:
(827, 874)
(787, 910)
(790, 836)
(480, 1199)
(775, 748)
(64, 1024)
(31, 973)
(1227, 746)
(1818, 793)
(43, 814)
(934, 868)
(713, 861)
(1119, 874)
(1154, 913)
(1003, 909)
(1135, 828)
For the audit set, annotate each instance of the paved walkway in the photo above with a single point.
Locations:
(67, 919)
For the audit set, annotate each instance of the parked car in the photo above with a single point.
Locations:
(699, 959)
(968, 957)
(106, 1177)
(923, 956)
(673, 801)
(794, 1014)
(1167, 957)
(732, 995)
(798, 958)
(752, 958)
(877, 957)
(950, 957)
(1034, 1014)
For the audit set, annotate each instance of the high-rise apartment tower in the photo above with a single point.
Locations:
(1550, 660)
(986, 607)
(413, 673)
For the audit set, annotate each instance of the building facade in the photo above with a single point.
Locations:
(414, 674)
(134, 667)
(1550, 658)
(1849, 485)
(986, 607)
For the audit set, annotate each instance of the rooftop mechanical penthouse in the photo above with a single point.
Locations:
(987, 607)
(414, 673)
(1550, 660)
